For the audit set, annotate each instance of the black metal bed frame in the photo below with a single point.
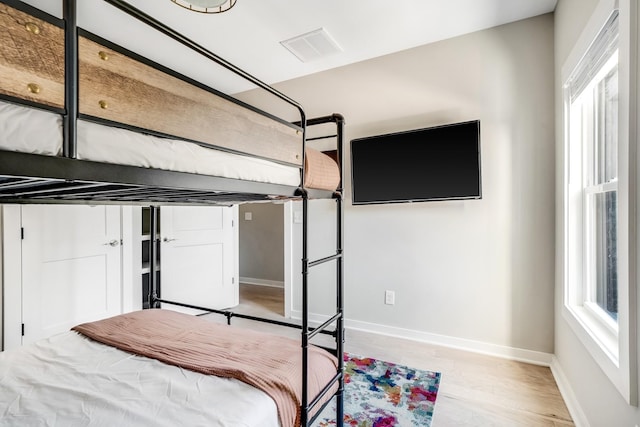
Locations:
(34, 178)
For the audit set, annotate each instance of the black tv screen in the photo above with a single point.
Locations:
(436, 163)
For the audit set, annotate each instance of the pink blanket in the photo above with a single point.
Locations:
(269, 362)
(320, 171)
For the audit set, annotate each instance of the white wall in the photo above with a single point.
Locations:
(468, 270)
(590, 395)
(322, 243)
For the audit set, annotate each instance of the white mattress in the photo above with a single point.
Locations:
(70, 380)
(35, 131)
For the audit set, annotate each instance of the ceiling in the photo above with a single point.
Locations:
(249, 35)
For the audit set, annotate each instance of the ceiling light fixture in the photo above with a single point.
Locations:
(206, 6)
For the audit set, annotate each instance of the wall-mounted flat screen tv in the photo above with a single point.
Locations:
(435, 163)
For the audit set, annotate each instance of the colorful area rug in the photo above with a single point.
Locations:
(381, 394)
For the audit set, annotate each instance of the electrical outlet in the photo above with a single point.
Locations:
(389, 297)
(248, 216)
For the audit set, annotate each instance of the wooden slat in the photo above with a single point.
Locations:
(139, 95)
(31, 57)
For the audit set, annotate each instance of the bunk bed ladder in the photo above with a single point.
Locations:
(338, 318)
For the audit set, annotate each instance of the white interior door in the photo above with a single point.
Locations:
(199, 256)
(71, 267)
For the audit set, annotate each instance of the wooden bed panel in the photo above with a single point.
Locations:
(31, 58)
(118, 88)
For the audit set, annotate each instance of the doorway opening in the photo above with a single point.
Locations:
(262, 249)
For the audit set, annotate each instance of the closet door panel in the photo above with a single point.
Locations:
(199, 256)
(71, 267)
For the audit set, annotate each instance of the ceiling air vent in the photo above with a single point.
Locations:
(312, 45)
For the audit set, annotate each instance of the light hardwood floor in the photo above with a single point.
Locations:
(475, 390)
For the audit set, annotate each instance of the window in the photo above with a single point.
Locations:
(598, 247)
(591, 96)
(595, 111)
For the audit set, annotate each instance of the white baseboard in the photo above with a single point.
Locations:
(579, 418)
(262, 282)
(511, 353)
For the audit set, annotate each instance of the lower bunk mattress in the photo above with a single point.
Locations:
(73, 380)
(30, 130)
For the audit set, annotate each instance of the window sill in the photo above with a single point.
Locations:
(593, 332)
(604, 347)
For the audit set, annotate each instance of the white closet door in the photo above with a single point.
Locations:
(198, 256)
(71, 267)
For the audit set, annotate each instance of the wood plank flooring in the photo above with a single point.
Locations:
(475, 390)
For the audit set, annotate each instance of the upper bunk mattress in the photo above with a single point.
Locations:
(31, 130)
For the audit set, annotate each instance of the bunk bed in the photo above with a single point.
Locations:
(83, 120)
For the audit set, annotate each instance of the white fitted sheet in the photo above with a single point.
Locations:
(70, 380)
(35, 131)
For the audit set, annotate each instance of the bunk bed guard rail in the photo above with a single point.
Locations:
(57, 180)
(71, 65)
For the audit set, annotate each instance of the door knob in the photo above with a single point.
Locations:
(113, 243)
(167, 239)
